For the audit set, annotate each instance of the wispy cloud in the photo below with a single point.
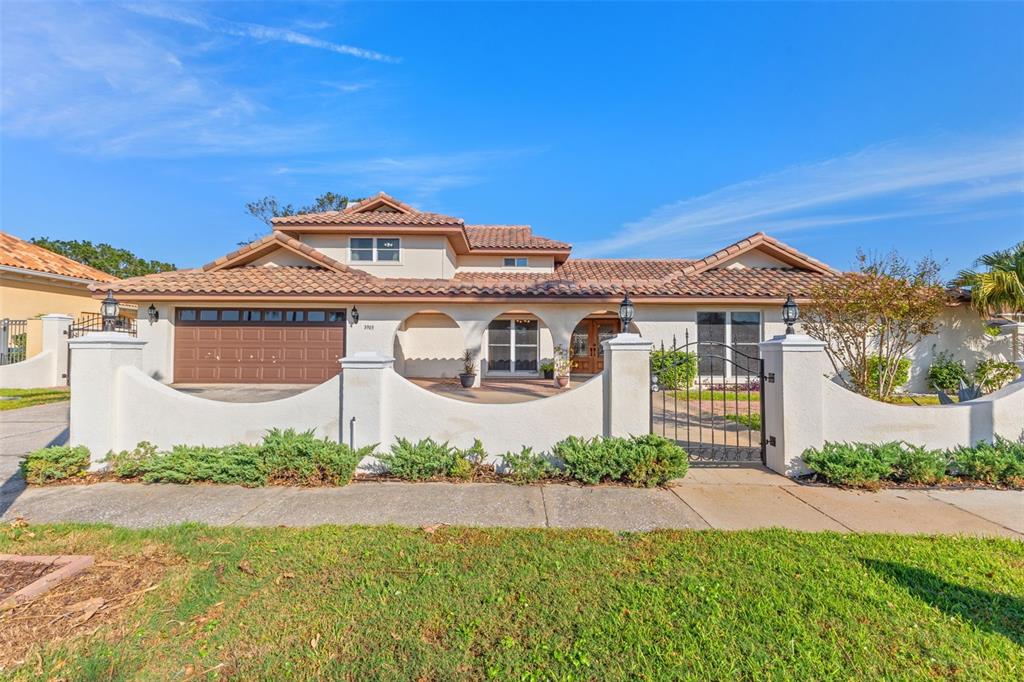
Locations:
(887, 182)
(100, 81)
(242, 29)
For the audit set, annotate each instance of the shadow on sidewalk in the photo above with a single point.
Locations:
(15, 484)
(991, 611)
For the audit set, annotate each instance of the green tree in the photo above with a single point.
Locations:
(268, 208)
(999, 290)
(871, 318)
(120, 263)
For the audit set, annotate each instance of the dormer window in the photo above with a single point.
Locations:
(375, 249)
(517, 262)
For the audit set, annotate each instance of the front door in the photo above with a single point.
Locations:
(585, 346)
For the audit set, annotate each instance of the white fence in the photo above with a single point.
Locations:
(49, 366)
(804, 408)
(115, 405)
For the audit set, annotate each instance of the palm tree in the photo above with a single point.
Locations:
(1000, 289)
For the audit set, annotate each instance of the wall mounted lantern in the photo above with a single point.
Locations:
(154, 314)
(790, 313)
(355, 315)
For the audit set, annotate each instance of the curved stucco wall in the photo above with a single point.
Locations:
(148, 410)
(415, 413)
(36, 372)
(850, 416)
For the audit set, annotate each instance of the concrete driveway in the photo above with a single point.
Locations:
(242, 393)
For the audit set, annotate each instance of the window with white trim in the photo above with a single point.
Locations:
(516, 262)
(718, 333)
(375, 249)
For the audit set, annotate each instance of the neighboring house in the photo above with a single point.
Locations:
(35, 281)
(423, 287)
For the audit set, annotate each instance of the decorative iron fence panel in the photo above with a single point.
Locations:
(93, 322)
(13, 341)
(708, 397)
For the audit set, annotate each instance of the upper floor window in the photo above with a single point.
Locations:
(516, 262)
(375, 249)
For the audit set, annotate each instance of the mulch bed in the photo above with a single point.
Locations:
(15, 575)
(97, 598)
(816, 481)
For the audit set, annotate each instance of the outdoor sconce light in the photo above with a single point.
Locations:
(355, 315)
(109, 309)
(790, 313)
(154, 314)
(626, 312)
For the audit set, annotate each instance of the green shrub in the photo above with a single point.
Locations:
(237, 464)
(915, 464)
(131, 463)
(422, 460)
(991, 375)
(527, 466)
(647, 460)
(877, 365)
(291, 456)
(860, 465)
(945, 373)
(674, 368)
(1000, 462)
(55, 464)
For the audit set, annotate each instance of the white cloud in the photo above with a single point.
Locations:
(92, 79)
(885, 182)
(255, 31)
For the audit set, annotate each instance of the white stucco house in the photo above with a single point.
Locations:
(423, 287)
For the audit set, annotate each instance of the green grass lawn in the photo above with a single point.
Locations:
(387, 603)
(717, 397)
(751, 421)
(26, 397)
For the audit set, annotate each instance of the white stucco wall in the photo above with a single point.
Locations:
(429, 345)
(39, 371)
(961, 333)
(804, 409)
(426, 256)
(483, 263)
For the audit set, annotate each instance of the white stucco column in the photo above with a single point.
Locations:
(55, 340)
(97, 360)
(627, 385)
(794, 415)
(365, 419)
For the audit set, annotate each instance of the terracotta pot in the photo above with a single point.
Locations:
(561, 382)
(467, 380)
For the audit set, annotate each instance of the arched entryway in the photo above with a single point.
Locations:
(429, 344)
(585, 342)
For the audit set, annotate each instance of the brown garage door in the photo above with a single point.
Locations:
(257, 346)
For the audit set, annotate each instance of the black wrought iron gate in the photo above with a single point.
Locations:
(709, 397)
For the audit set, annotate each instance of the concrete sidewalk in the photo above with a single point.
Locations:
(707, 498)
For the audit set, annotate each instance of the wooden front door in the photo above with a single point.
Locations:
(585, 346)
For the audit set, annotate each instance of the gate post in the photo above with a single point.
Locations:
(627, 385)
(365, 405)
(794, 368)
(55, 339)
(95, 412)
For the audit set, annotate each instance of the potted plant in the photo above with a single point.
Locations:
(548, 368)
(563, 364)
(468, 375)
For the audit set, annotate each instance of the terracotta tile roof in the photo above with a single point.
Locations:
(758, 239)
(588, 278)
(347, 217)
(18, 253)
(509, 237)
(273, 241)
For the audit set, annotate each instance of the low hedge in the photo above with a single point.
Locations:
(867, 465)
(287, 456)
(55, 464)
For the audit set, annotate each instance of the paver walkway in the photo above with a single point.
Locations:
(734, 498)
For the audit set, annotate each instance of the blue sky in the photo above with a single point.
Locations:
(630, 130)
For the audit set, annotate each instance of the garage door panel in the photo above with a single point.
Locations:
(257, 353)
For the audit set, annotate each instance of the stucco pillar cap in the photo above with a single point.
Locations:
(106, 341)
(792, 343)
(367, 360)
(627, 342)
